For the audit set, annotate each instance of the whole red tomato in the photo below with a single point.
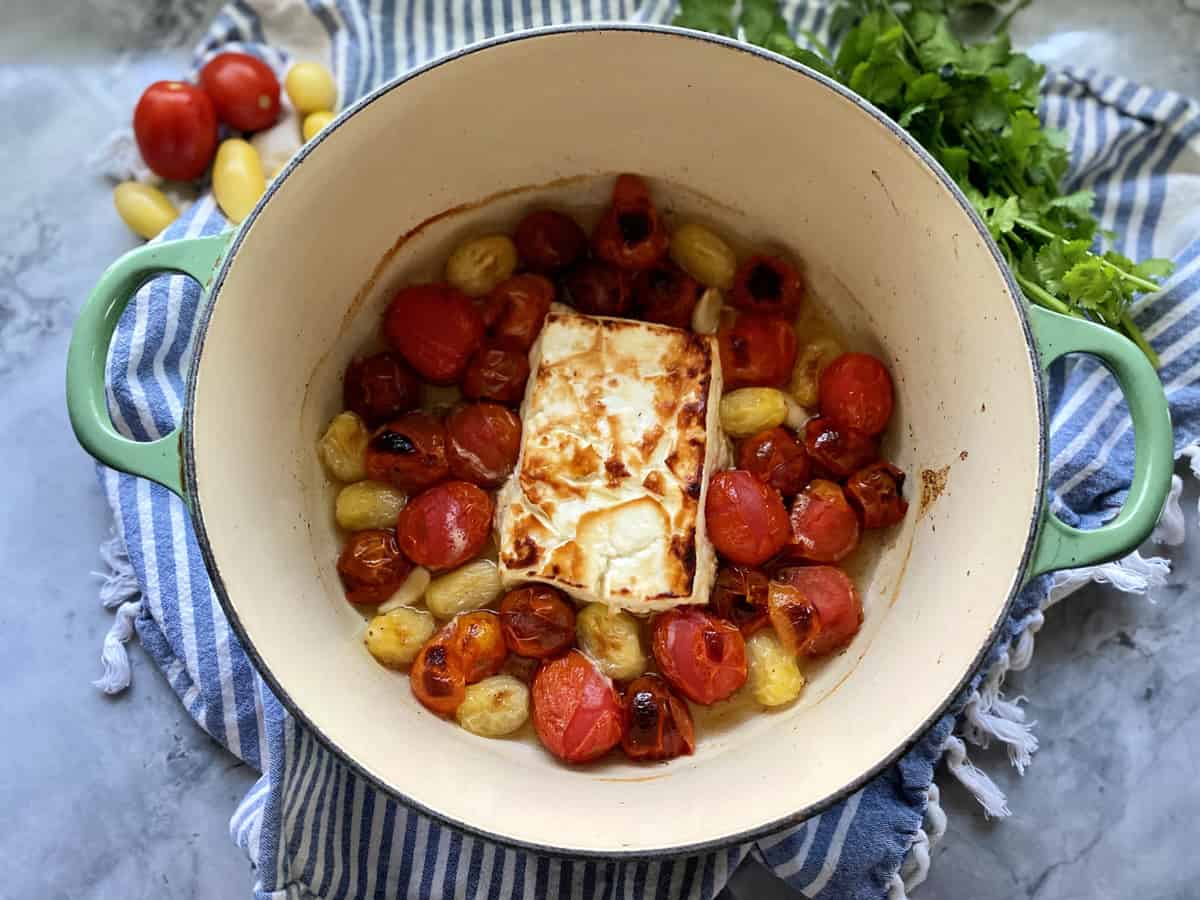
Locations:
(757, 350)
(438, 675)
(436, 328)
(480, 644)
(537, 621)
(746, 519)
(243, 89)
(702, 656)
(833, 596)
(666, 294)
(495, 373)
(876, 492)
(409, 452)
(576, 710)
(380, 387)
(446, 525)
(483, 441)
(599, 289)
(824, 526)
(176, 130)
(372, 566)
(548, 240)
(856, 392)
(516, 309)
(777, 458)
(840, 451)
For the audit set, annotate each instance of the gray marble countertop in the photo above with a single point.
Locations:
(125, 798)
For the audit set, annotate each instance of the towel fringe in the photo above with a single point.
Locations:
(120, 591)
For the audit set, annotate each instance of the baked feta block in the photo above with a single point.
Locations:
(620, 430)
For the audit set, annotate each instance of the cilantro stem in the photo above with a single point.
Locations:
(1040, 295)
(1135, 334)
(1137, 281)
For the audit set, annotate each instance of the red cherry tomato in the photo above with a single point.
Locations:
(824, 527)
(548, 241)
(496, 374)
(445, 526)
(746, 519)
(436, 328)
(437, 676)
(576, 710)
(837, 603)
(666, 294)
(702, 656)
(767, 284)
(480, 644)
(599, 289)
(876, 492)
(380, 387)
(658, 725)
(856, 392)
(176, 130)
(537, 621)
(409, 452)
(518, 308)
(371, 566)
(794, 618)
(482, 443)
(777, 458)
(243, 89)
(840, 451)
(631, 234)
(757, 351)
(740, 595)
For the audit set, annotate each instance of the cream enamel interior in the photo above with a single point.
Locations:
(788, 161)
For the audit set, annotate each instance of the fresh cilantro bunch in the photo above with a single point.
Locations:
(974, 108)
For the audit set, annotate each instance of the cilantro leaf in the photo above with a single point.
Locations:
(715, 16)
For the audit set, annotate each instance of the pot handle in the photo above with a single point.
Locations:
(1059, 546)
(87, 403)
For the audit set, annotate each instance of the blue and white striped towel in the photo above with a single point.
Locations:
(309, 825)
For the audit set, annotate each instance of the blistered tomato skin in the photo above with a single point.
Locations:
(495, 373)
(702, 656)
(517, 309)
(876, 491)
(380, 387)
(445, 526)
(479, 640)
(840, 451)
(437, 677)
(777, 458)
(793, 616)
(537, 621)
(549, 241)
(746, 519)
(176, 130)
(825, 528)
(666, 294)
(740, 595)
(856, 392)
(371, 566)
(631, 234)
(838, 605)
(768, 284)
(243, 89)
(576, 710)
(436, 328)
(408, 452)
(757, 351)
(658, 725)
(482, 443)
(599, 289)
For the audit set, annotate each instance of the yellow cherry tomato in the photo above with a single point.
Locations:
(238, 179)
(145, 209)
(314, 122)
(310, 87)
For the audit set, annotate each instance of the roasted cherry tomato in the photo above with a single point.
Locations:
(702, 656)
(372, 566)
(631, 234)
(480, 644)
(517, 308)
(548, 241)
(876, 492)
(445, 526)
(176, 130)
(436, 328)
(408, 452)
(793, 616)
(658, 725)
(576, 709)
(537, 621)
(747, 521)
(243, 89)
(777, 458)
(598, 289)
(437, 676)
(496, 374)
(666, 294)
(757, 351)
(482, 443)
(838, 450)
(856, 392)
(767, 284)
(824, 526)
(380, 387)
(837, 603)
(740, 595)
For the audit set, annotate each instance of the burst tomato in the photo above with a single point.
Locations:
(243, 89)
(702, 656)
(537, 621)
(837, 449)
(482, 443)
(496, 374)
(408, 452)
(856, 392)
(876, 492)
(548, 241)
(746, 519)
(517, 308)
(631, 234)
(371, 566)
(176, 130)
(767, 284)
(445, 526)
(793, 616)
(777, 458)
(824, 526)
(480, 644)
(437, 677)
(658, 725)
(380, 387)
(436, 328)
(666, 294)
(576, 709)
(740, 595)
(838, 606)
(757, 351)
